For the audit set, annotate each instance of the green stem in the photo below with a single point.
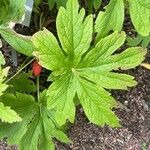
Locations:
(38, 88)
(19, 71)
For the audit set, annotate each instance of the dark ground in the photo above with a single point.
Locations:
(134, 116)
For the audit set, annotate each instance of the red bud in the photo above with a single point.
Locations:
(36, 68)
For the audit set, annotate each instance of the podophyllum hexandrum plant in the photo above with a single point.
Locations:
(82, 69)
(82, 72)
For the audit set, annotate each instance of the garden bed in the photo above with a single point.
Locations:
(134, 110)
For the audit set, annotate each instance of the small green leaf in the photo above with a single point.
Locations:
(61, 3)
(97, 4)
(51, 4)
(111, 19)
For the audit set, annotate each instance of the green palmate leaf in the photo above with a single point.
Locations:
(140, 15)
(37, 128)
(82, 70)
(111, 19)
(21, 43)
(8, 115)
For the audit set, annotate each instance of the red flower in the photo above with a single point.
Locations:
(36, 68)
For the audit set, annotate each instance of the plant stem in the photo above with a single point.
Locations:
(38, 88)
(19, 71)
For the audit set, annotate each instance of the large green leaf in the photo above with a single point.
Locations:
(38, 127)
(82, 70)
(111, 19)
(140, 15)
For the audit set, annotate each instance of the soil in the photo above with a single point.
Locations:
(134, 113)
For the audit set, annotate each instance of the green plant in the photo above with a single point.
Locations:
(24, 118)
(31, 122)
(84, 70)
